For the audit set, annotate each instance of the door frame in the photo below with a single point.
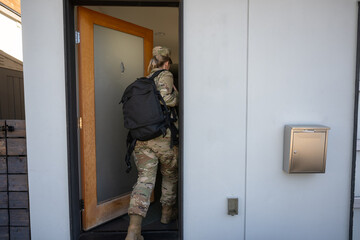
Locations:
(75, 205)
(355, 129)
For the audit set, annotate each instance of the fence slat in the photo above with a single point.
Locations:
(2, 147)
(19, 128)
(17, 165)
(17, 182)
(3, 182)
(16, 146)
(2, 124)
(19, 217)
(19, 233)
(3, 167)
(4, 200)
(18, 200)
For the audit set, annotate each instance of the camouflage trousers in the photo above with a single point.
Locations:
(148, 154)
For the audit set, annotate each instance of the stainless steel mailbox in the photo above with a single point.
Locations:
(305, 148)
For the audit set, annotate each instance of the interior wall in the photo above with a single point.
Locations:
(164, 22)
(301, 71)
(45, 106)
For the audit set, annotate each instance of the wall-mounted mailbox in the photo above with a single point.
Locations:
(305, 148)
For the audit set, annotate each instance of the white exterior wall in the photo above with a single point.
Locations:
(10, 41)
(215, 44)
(44, 80)
(301, 69)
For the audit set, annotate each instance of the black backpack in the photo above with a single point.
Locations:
(144, 115)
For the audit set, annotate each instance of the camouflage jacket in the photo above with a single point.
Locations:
(165, 85)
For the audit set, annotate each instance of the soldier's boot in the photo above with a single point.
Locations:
(134, 230)
(167, 214)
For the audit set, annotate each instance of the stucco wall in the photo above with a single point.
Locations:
(44, 80)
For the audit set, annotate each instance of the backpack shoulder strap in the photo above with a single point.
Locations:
(130, 142)
(155, 74)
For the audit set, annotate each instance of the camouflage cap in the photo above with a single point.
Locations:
(163, 51)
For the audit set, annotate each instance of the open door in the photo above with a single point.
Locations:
(111, 54)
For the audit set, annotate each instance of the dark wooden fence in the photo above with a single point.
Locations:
(11, 94)
(14, 197)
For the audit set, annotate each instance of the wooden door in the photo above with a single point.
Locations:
(103, 76)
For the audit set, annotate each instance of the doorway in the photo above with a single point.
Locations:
(117, 227)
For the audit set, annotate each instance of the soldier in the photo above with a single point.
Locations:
(149, 153)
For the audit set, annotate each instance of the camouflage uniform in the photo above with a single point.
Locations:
(149, 153)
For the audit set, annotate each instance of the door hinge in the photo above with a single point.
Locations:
(82, 204)
(80, 123)
(77, 37)
(8, 128)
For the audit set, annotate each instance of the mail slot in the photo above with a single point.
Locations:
(305, 148)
